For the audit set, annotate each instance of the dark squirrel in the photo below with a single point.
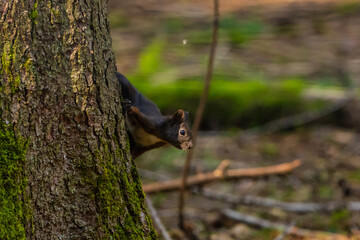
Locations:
(147, 128)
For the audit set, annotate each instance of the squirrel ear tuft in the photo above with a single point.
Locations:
(179, 116)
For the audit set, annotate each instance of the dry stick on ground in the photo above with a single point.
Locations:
(157, 219)
(287, 206)
(258, 222)
(203, 178)
(199, 113)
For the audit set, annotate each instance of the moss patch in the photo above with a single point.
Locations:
(34, 13)
(119, 194)
(9, 59)
(14, 212)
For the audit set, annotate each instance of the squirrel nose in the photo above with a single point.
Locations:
(186, 145)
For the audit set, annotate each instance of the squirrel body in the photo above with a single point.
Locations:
(147, 127)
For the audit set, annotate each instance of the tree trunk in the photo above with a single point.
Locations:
(59, 93)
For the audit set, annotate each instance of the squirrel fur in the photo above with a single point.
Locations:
(147, 127)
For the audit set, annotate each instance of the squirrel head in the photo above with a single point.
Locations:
(178, 132)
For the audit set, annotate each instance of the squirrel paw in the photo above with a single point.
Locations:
(133, 111)
(126, 104)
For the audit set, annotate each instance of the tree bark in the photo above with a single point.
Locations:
(59, 93)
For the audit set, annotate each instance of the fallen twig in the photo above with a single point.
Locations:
(287, 206)
(200, 179)
(294, 231)
(157, 220)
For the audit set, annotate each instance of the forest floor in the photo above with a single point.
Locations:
(329, 155)
(265, 40)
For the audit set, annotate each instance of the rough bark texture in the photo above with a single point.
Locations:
(58, 91)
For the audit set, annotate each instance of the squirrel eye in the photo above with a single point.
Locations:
(182, 132)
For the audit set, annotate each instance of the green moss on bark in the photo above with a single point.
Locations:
(6, 60)
(120, 194)
(14, 213)
(34, 13)
(10, 61)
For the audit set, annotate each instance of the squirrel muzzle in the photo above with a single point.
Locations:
(186, 145)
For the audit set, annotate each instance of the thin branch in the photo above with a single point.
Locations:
(199, 113)
(287, 206)
(294, 231)
(156, 219)
(222, 168)
(203, 178)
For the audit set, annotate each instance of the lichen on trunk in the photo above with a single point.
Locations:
(58, 90)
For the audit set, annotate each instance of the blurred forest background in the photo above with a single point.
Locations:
(297, 61)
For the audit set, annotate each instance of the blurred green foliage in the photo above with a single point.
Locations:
(348, 8)
(354, 175)
(269, 149)
(265, 234)
(243, 99)
(230, 103)
(231, 29)
(334, 222)
(174, 25)
(325, 191)
(117, 20)
(240, 31)
(170, 73)
(150, 58)
(339, 220)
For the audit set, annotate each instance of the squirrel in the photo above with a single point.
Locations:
(147, 127)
